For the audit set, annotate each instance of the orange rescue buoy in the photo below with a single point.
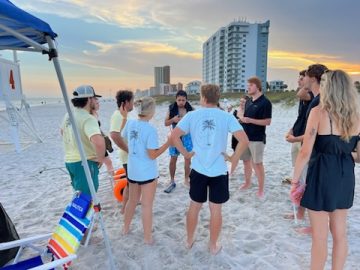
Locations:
(119, 189)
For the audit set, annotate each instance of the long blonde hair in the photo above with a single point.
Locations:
(340, 99)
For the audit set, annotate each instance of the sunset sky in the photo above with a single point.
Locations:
(113, 44)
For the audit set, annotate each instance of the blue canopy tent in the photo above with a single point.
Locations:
(21, 31)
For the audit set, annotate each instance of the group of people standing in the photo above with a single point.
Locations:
(201, 135)
(326, 143)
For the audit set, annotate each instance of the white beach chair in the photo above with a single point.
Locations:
(62, 244)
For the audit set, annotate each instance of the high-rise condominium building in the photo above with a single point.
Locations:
(161, 75)
(235, 53)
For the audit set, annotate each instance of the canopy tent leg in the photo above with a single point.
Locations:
(81, 150)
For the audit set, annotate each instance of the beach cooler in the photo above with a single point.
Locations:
(62, 244)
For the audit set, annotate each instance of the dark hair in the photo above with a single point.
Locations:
(122, 96)
(256, 81)
(302, 73)
(79, 102)
(316, 71)
(181, 93)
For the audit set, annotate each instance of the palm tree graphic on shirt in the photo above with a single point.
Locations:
(134, 135)
(208, 126)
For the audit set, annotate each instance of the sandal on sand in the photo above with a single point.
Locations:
(170, 188)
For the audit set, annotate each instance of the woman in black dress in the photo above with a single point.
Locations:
(332, 134)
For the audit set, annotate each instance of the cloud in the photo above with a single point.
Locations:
(177, 30)
(140, 58)
(129, 14)
(301, 60)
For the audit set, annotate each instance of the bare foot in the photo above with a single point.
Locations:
(245, 186)
(149, 242)
(260, 194)
(215, 250)
(186, 183)
(125, 231)
(189, 244)
(304, 230)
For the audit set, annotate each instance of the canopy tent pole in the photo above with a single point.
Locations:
(19, 49)
(81, 150)
(27, 40)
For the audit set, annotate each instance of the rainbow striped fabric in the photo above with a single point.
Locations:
(69, 233)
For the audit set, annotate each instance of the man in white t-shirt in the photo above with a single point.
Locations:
(125, 104)
(209, 128)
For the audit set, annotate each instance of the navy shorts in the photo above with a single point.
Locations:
(218, 187)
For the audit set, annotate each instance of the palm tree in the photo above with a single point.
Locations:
(133, 137)
(208, 125)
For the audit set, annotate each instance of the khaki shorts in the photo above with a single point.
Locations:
(255, 151)
(295, 148)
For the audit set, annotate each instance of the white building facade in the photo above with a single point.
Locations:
(235, 53)
(277, 85)
(193, 87)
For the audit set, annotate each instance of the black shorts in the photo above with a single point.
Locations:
(218, 187)
(140, 182)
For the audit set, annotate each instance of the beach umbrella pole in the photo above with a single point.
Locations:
(53, 56)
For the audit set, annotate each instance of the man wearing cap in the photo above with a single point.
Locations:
(84, 98)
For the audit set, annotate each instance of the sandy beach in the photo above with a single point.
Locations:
(35, 190)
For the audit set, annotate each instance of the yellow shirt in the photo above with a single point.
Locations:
(115, 125)
(88, 126)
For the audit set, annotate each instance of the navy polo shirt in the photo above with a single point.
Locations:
(300, 123)
(313, 103)
(261, 108)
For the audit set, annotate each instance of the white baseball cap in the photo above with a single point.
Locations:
(84, 91)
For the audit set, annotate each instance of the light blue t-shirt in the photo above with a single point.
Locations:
(209, 128)
(141, 136)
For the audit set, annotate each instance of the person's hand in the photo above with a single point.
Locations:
(189, 155)
(245, 120)
(242, 104)
(176, 119)
(290, 138)
(168, 141)
(229, 108)
(296, 192)
(233, 162)
(123, 111)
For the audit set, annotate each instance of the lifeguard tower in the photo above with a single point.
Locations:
(16, 114)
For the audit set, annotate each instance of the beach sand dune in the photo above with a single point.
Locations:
(35, 189)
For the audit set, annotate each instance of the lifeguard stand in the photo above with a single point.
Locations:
(18, 115)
